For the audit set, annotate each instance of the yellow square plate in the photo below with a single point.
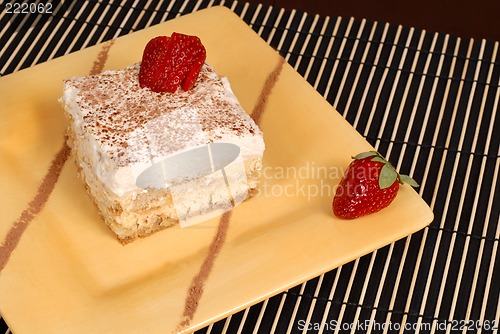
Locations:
(69, 274)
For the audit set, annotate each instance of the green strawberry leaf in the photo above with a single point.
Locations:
(379, 159)
(388, 173)
(409, 180)
(387, 176)
(365, 155)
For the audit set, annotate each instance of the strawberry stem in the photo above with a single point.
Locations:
(388, 173)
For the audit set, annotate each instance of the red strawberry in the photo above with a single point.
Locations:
(169, 62)
(153, 61)
(370, 184)
(192, 75)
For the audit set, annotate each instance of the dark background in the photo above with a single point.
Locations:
(476, 19)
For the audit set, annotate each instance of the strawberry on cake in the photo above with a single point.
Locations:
(162, 142)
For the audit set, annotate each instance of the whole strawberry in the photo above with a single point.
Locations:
(370, 184)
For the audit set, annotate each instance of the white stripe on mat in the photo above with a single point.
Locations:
(370, 77)
(450, 187)
(275, 25)
(316, 47)
(373, 254)
(488, 214)
(169, 9)
(226, 324)
(337, 58)
(295, 308)
(466, 181)
(227, 321)
(261, 315)
(279, 47)
(266, 18)
(422, 188)
(420, 256)
(31, 30)
(407, 89)
(156, 9)
(381, 85)
(287, 29)
(478, 192)
(126, 18)
(322, 76)
(233, 5)
(324, 319)
(295, 37)
(79, 33)
(400, 110)
(242, 321)
(347, 293)
(363, 290)
(111, 20)
(297, 64)
(255, 15)
(362, 65)
(21, 27)
(63, 37)
(424, 237)
(377, 96)
(94, 28)
(349, 62)
(429, 160)
(306, 42)
(245, 8)
(313, 303)
(141, 15)
(39, 34)
(288, 52)
(393, 90)
(311, 60)
(383, 125)
(278, 314)
(327, 52)
(416, 104)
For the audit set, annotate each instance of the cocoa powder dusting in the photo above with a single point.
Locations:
(197, 286)
(48, 183)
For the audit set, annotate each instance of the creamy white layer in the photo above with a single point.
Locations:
(127, 134)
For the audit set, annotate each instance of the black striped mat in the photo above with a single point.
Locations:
(428, 102)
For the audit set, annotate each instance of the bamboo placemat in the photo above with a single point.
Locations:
(427, 101)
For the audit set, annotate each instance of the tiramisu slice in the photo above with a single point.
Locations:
(153, 158)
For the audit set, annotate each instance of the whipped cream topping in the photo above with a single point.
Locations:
(125, 129)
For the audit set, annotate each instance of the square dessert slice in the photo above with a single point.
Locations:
(151, 160)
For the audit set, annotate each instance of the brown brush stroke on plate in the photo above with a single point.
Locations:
(48, 182)
(195, 291)
(100, 61)
(259, 108)
(35, 206)
(198, 283)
